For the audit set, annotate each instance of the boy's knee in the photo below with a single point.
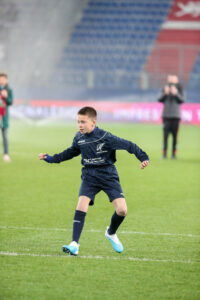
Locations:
(122, 211)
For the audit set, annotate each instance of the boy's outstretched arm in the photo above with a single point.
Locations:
(119, 143)
(58, 158)
(67, 154)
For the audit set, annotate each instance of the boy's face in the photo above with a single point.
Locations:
(85, 124)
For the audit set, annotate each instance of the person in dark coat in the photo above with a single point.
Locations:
(6, 99)
(172, 98)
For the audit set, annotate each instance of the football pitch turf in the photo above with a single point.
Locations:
(160, 234)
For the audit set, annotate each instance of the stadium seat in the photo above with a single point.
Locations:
(111, 36)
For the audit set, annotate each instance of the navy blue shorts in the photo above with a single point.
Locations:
(104, 178)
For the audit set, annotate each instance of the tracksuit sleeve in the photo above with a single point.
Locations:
(117, 143)
(67, 154)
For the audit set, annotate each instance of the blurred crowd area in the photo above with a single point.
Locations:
(99, 49)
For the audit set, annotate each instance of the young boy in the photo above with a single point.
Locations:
(97, 148)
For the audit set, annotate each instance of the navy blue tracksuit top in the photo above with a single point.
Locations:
(98, 149)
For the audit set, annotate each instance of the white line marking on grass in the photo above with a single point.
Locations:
(144, 259)
(100, 231)
(162, 233)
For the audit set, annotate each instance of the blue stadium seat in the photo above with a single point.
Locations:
(194, 81)
(113, 35)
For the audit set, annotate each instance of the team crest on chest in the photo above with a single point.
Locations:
(100, 148)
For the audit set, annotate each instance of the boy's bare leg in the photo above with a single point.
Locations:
(83, 203)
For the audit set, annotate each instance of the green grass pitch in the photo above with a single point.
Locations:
(160, 234)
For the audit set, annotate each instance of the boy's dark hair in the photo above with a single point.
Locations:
(3, 75)
(88, 111)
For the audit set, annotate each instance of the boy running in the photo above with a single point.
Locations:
(97, 148)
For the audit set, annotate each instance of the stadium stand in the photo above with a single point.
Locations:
(110, 45)
(194, 77)
(90, 49)
(177, 45)
(33, 35)
(193, 86)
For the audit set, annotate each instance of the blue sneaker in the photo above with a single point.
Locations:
(117, 245)
(72, 248)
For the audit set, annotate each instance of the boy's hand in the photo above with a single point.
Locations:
(144, 164)
(42, 156)
(46, 157)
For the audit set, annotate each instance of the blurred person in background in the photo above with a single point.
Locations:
(172, 98)
(6, 99)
